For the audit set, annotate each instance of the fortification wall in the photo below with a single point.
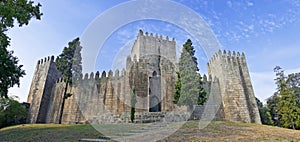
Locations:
(213, 107)
(55, 102)
(237, 97)
(93, 96)
(151, 70)
(44, 79)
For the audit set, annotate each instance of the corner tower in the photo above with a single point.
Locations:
(236, 90)
(44, 79)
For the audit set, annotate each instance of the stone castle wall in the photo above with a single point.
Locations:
(43, 82)
(235, 86)
(91, 96)
(151, 71)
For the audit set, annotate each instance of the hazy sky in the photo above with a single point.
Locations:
(267, 31)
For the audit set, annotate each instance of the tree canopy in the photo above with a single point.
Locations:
(11, 112)
(69, 62)
(283, 107)
(188, 88)
(11, 12)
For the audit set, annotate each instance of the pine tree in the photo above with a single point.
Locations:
(70, 65)
(188, 88)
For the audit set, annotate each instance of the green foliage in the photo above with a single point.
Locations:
(177, 89)
(11, 12)
(132, 105)
(288, 109)
(272, 102)
(69, 61)
(10, 71)
(11, 112)
(20, 10)
(280, 78)
(285, 103)
(16, 10)
(67, 95)
(264, 113)
(188, 88)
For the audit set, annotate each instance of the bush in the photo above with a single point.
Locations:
(11, 112)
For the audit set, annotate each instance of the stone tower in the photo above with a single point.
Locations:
(237, 95)
(44, 79)
(152, 71)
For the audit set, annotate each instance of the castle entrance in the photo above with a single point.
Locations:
(154, 93)
(154, 105)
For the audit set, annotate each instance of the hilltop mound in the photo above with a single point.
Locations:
(215, 131)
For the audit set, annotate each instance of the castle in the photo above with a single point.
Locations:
(151, 71)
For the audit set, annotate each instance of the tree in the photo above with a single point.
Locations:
(70, 65)
(293, 81)
(272, 102)
(177, 89)
(264, 113)
(11, 112)
(280, 80)
(20, 11)
(285, 103)
(188, 88)
(288, 109)
(10, 71)
(132, 105)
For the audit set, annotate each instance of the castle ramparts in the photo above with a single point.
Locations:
(104, 97)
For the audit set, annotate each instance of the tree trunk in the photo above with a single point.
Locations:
(63, 103)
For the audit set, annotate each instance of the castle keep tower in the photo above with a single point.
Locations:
(236, 90)
(152, 68)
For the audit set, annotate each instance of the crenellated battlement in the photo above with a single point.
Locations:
(156, 37)
(46, 60)
(96, 76)
(227, 56)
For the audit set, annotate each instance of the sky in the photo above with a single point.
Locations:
(267, 31)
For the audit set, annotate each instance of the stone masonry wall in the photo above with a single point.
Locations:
(43, 82)
(235, 86)
(151, 70)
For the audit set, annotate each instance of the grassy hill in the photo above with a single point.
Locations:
(215, 131)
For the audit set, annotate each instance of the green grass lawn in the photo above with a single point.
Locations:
(48, 132)
(215, 131)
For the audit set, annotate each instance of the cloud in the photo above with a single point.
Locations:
(250, 3)
(229, 4)
(263, 84)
